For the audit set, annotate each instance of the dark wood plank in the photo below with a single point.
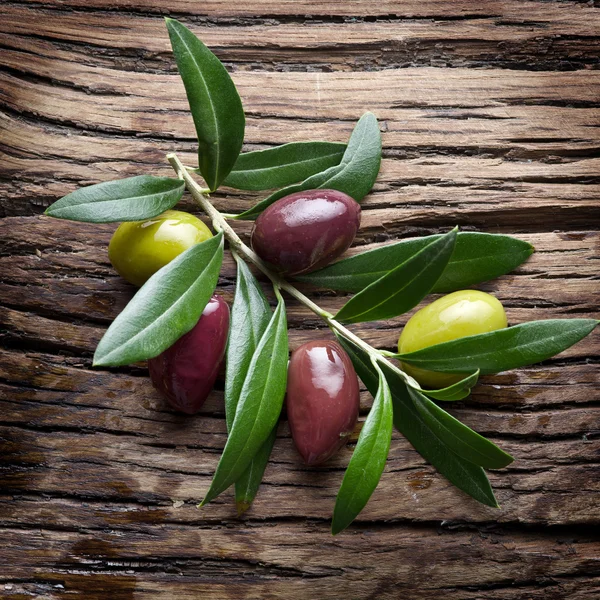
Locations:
(536, 35)
(489, 115)
(511, 10)
(262, 562)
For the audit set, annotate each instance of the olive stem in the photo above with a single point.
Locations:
(238, 246)
(220, 224)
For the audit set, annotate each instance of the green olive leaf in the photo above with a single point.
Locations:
(458, 437)
(168, 305)
(457, 391)
(504, 349)
(477, 257)
(250, 316)
(214, 101)
(465, 475)
(246, 487)
(368, 459)
(283, 165)
(259, 404)
(355, 175)
(131, 199)
(402, 288)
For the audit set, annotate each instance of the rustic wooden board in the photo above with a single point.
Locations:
(490, 119)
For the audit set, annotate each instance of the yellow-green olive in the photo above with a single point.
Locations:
(138, 249)
(457, 315)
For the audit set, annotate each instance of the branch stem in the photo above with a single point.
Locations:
(237, 245)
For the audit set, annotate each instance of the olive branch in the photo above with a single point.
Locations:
(386, 282)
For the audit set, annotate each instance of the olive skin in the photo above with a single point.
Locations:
(322, 399)
(305, 231)
(138, 249)
(185, 373)
(456, 315)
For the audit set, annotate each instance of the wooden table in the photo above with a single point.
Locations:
(490, 116)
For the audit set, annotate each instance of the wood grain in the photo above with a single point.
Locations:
(490, 120)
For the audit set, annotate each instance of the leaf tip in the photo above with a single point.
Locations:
(242, 506)
(509, 459)
(210, 495)
(98, 362)
(337, 527)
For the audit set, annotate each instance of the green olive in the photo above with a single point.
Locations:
(138, 249)
(457, 315)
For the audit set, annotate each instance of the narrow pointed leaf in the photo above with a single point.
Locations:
(168, 305)
(457, 391)
(246, 486)
(503, 349)
(283, 165)
(402, 288)
(259, 404)
(368, 460)
(250, 316)
(355, 175)
(458, 437)
(477, 257)
(214, 102)
(131, 199)
(468, 477)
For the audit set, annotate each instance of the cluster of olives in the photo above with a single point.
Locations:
(297, 234)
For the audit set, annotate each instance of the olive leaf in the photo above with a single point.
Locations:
(168, 305)
(458, 437)
(355, 175)
(246, 486)
(503, 349)
(214, 101)
(259, 404)
(402, 288)
(465, 475)
(457, 391)
(250, 316)
(131, 199)
(368, 459)
(283, 165)
(477, 257)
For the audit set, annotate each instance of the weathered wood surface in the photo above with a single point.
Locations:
(490, 114)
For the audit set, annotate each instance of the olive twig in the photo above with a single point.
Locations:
(238, 246)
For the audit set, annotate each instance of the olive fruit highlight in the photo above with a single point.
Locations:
(138, 249)
(457, 315)
(305, 231)
(185, 373)
(322, 399)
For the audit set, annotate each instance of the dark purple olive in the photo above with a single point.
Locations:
(305, 231)
(322, 400)
(185, 373)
